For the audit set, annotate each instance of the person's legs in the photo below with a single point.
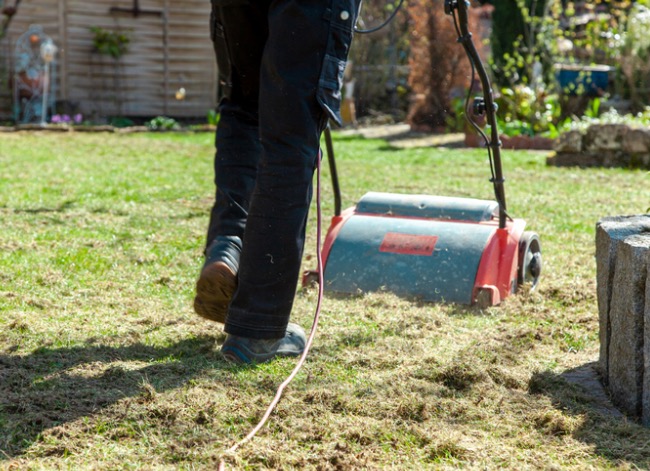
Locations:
(284, 68)
(300, 79)
(239, 34)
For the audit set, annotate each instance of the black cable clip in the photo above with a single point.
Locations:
(479, 106)
(466, 39)
(450, 6)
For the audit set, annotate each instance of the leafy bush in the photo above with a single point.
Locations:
(640, 119)
(455, 120)
(163, 123)
(213, 117)
(111, 43)
(550, 32)
(514, 38)
(527, 111)
(121, 122)
(635, 53)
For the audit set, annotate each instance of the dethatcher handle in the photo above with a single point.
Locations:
(465, 38)
(332, 163)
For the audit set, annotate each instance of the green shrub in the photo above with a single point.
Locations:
(163, 123)
(121, 122)
(635, 54)
(213, 117)
(515, 25)
(111, 43)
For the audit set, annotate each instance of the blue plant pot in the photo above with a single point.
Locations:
(583, 79)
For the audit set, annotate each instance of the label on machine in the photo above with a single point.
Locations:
(408, 244)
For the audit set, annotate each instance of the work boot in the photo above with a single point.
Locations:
(218, 279)
(242, 350)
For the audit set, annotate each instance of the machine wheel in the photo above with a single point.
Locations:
(530, 260)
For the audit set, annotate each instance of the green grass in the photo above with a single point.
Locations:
(103, 364)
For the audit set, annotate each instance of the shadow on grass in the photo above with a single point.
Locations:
(58, 209)
(578, 392)
(53, 386)
(395, 145)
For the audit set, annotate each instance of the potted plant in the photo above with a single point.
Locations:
(580, 79)
(111, 43)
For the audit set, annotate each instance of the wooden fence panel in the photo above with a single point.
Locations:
(169, 48)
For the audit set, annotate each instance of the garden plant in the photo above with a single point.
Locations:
(550, 33)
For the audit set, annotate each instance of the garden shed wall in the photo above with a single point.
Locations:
(169, 49)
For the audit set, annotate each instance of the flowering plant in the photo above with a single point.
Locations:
(66, 119)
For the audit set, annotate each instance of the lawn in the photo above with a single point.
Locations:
(103, 364)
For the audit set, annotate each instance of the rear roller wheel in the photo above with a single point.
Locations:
(530, 260)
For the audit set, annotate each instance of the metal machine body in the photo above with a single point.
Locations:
(428, 247)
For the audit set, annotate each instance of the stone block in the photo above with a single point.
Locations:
(623, 261)
(603, 145)
(640, 161)
(604, 137)
(636, 141)
(569, 142)
(598, 159)
(626, 313)
(645, 398)
(610, 232)
(572, 159)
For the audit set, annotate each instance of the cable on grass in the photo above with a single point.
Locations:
(301, 361)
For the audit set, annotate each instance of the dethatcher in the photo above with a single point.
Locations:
(435, 248)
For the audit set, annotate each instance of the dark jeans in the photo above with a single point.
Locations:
(281, 65)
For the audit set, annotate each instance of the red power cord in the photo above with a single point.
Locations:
(310, 339)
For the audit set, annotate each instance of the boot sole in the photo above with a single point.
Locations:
(214, 290)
